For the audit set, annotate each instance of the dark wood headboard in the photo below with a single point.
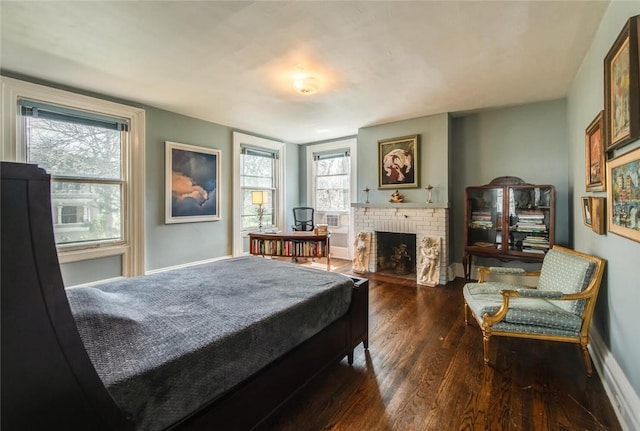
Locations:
(48, 380)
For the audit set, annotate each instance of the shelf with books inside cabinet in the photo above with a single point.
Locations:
(508, 219)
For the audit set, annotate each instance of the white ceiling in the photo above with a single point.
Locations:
(233, 63)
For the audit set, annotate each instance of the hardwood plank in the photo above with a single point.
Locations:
(424, 371)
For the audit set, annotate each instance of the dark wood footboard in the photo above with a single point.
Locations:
(48, 380)
(251, 402)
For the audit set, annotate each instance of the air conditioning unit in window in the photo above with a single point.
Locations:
(332, 220)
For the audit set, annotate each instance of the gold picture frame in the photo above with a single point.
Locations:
(398, 162)
(622, 87)
(594, 155)
(623, 195)
(597, 215)
(586, 210)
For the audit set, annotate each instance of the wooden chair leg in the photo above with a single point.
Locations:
(485, 345)
(587, 359)
(466, 313)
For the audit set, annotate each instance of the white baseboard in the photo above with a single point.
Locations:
(624, 399)
(186, 265)
(458, 269)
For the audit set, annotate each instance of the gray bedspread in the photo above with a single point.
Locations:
(167, 343)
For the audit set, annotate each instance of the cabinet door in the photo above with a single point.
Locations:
(485, 218)
(530, 219)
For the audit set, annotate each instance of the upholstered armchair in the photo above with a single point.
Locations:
(559, 308)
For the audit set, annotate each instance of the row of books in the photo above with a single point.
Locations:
(531, 221)
(535, 244)
(279, 247)
(481, 220)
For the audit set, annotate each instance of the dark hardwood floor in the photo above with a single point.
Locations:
(424, 371)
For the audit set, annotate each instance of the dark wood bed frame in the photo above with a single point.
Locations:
(48, 380)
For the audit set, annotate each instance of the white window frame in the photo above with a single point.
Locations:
(240, 139)
(12, 148)
(351, 144)
(270, 190)
(315, 189)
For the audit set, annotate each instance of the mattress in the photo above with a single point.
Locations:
(166, 344)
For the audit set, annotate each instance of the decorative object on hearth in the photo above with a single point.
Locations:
(398, 162)
(622, 88)
(401, 260)
(366, 191)
(429, 189)
(429, 261)
(623, 195)
(594, 157)
(362, 248)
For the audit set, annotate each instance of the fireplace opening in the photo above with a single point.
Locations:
(396, 254)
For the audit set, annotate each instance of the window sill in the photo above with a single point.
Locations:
(77, 255)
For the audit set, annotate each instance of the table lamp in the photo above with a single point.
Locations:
(259, 198)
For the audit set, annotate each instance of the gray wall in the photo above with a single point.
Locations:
(293, 175)
(174, 244)
(529, 142)
(433, 153)
(619, 300)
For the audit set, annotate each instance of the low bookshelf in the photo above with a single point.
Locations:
(291, 244)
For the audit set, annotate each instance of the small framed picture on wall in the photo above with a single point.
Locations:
(586, 210)
(622, 87)
(597, 215)
(594, 155)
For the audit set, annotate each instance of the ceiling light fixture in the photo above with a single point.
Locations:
(305, 84)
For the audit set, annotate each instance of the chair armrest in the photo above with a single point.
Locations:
(483, 271)
(534, 293)
(507, 294)
(546, 294)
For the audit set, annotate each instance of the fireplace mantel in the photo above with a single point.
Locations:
(401, 205)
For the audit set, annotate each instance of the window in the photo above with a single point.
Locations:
(332, 178)
(258, 165)
(83, 153)
(70, 215)
(257, 173)
(331, 187)
(94, 151)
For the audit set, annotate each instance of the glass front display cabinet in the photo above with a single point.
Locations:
(508, 219)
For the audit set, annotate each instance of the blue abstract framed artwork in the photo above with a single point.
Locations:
(192, 183)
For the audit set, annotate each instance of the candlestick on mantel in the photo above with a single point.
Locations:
(366, 190)
(429, 188)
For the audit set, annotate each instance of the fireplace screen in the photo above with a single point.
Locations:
(396, 253)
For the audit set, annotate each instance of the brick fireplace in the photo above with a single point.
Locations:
(423, 220)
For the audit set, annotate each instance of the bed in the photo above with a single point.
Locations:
(122, 355)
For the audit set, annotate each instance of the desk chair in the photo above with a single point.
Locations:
(303, 219)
